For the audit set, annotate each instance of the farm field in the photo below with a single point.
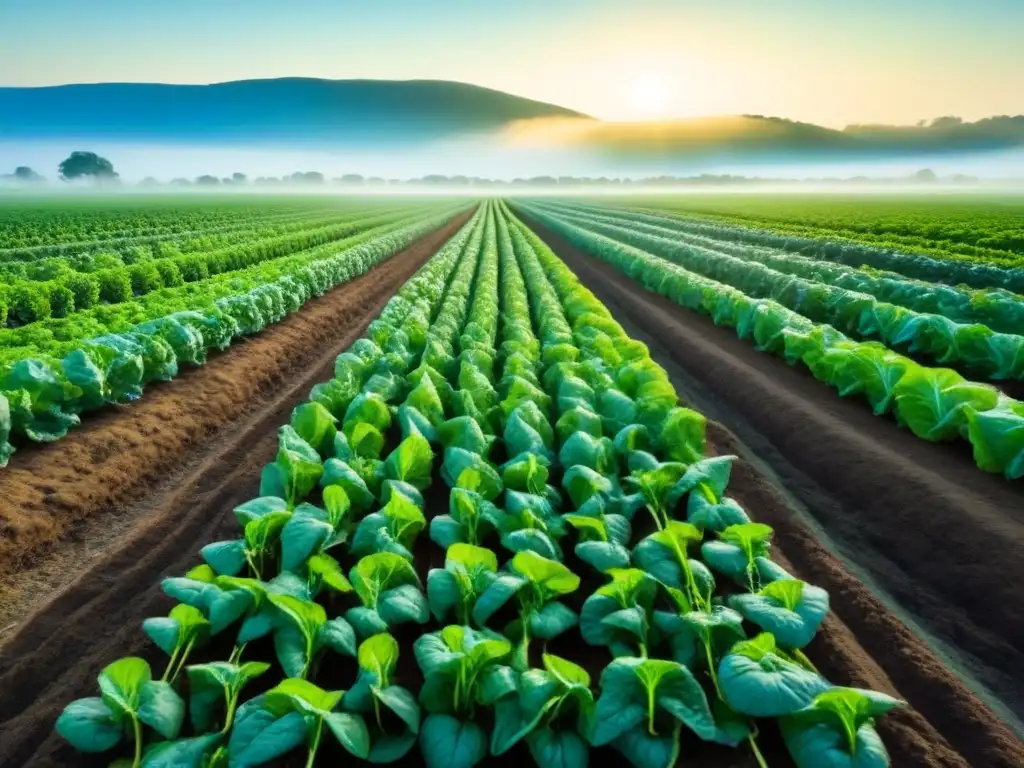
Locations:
(535, 481)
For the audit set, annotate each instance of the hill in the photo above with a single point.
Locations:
(286, 110)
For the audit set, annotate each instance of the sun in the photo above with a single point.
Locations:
(649, 95)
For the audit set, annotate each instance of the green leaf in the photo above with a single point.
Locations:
(303, 535)
(375, 573)
(317, 426)
(161, 708)
(526, 473)
(590, 528)
(182, 753)
(552, 620)
(567, 673)
(90, 725)
(558, 749)
(411, 462)
(121, 683)
(225, 557)
(259, 736)
(756, 681)
(448, 743)
(816, 744)
(846, 711)
(379, 655)
(296, 694)
(933, 402)
(328, 570)
(498, 592)
(642, 749)
(581, 483)
(550, 576)
(683, 435)
(351, 732)
(472, 557)
(402, 703)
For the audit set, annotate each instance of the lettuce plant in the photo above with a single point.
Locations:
(553, 713)
(463, 669)
(317, 426)
(837, 729)
(619, 614)
(536, 582)
(389, 592)
(375, 693)
(468, 572)
(411, 462)
(289, 715)
(129, 700)
(303, 632)
(643, 706)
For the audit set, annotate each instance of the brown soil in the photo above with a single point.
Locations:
(932, 533)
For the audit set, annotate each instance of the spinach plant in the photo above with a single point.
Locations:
(790, 609)
(663, 554)
(470, 519)
(740, 552)
(643, 706)
(183, 629)
(838, 729)
(303, 631)
(376, 693)
(215, 685)
(289, 715)
(129, 699)
(393, 529)
(536, 583)
(619, 614)
(390, 593)
(463, 669)
(468, 571)
(553, 713)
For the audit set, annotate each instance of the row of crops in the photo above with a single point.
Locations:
(52, 371)
(901, 344)
(972, 227)
(493, 532)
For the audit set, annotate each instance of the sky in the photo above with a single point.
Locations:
(832, 62)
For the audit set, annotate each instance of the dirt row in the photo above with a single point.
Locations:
(849, 493)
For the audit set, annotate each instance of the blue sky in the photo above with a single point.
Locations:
(826, 61)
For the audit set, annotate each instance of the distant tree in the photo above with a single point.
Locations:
(947, 122)
(239, 178)
(149, 182)
(26, 174)
(351, 178)
(85, 165)
(925, 174)
(207, 181)
(376, 181)
(180, 182)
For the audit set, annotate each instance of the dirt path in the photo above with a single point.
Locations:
(917, 520)
(72, 495)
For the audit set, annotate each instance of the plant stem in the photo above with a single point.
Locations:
(799, 656)
(376, 711)
(182, 660)
(170, 664)
(230, 716)
(650, 711)
(316, 743)
(236, 653)
(711, 668)
(137, 727)
(752, 738)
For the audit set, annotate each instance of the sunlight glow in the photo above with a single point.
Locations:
(649, 97)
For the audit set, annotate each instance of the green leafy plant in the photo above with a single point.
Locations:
(549, 700)
(790, 609)
(758, 679)
(376, 693)
(739, 552)
(619, 614)
(837, 729)
(291, 714)
(536, 582)
(643, 704)
(468, 572)
(303, 631)
(218, 684)
(177, 634)
(463, 669)
(470, 518)
(390, 593)
(129, 700)
(393, 529)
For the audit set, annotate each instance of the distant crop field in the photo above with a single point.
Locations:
(963, 227)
